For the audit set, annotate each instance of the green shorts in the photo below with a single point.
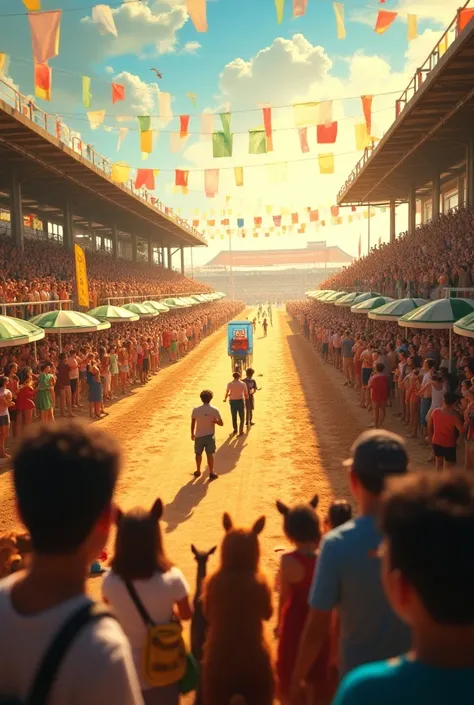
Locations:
(205, 443)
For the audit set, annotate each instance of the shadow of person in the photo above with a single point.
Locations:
(186, 500)
(227, 455)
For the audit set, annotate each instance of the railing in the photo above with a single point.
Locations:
(53, 125)
(148, 297)
(35, 305)
(417, 80)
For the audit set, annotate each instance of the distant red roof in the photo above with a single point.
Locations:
(269, 258)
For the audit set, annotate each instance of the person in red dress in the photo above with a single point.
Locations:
(302, 528)
(379, 392)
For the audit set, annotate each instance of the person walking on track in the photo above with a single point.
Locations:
(203, 422)
(265, 327)
(237, 394)
(250, 402)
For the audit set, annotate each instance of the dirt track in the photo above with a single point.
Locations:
(305, 424)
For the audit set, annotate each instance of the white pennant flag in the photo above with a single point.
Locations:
(102, 16)
(325, 112)
(207, 125)
(122, 134)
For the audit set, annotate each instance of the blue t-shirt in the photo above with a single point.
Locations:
(406, 682)
(348, 577)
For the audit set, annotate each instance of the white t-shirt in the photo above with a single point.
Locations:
(158, 595)
(96, 669)
(205, 415)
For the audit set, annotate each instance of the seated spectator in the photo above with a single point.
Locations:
(64, 478)
(428, 573)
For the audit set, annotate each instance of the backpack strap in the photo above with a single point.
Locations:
(61, 643)
(139, 604)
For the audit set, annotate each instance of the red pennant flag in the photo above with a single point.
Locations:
(464, 17)
(384, 20)
(334, 211)
(145, 179)
(367, 108)
(360, 246)
(294, 218)
(353, 209)
(267, 123)
(257, 221)
(313, 216)
(118, 92)
(225, 221)
(183, 125)
(303, 135)
(181, 178)
(195, 223)
(277, 220)
(327, 134)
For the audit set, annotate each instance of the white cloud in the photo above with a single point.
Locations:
(109, 69)
(191, 47)
(140, 96)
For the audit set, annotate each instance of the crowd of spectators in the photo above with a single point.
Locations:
(438, 254)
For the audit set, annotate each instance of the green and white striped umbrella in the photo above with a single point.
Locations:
(199, 298)
(140, 310)
(440, 314)
(396, 309)
(113, 314)
(332, 297)
(370, 304)
(157, 306)
(465, 326)
(189, 300)
(348, 299)
(175, 303)
(64, 322)
(221, 294)
(15, 331)
(319, 293)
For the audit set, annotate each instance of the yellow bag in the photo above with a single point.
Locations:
(164, 652)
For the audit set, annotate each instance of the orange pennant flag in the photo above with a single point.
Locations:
(267, 122)
(118, 92)
(464, 17)
(299, 7)
(43, 81)
(384, 19)
(183, 125)
(367, 109)
(197, 12)
(145, 178)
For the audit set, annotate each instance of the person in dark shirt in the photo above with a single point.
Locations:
(250, 402)
(64, 383)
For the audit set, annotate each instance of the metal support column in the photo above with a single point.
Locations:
(68, 227)
(412, 210)
(150, 252)
(16, 212)
(393, 229)
(435, 196)
(470, 171)
(92, 237)
(169, 258)
(114, 237)
(134, 248)
(45, 230)
(182, 261)
(461, 192)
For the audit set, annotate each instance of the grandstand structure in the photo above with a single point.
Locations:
(426, 158)
(49, 175)
(272, 275)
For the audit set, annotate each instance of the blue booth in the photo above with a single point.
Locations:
(240, 344)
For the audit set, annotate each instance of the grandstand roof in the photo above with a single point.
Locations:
(273, 258)
(52, 172)
(436, 113)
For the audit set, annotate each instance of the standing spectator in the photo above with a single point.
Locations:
(64, 478)
(442, 427)
(425, 516)
(378, 386)
(6, 401)
(347, 575)
(64, 381)
(348, 343)
(237, 393)
(203, 422)
(44, 394)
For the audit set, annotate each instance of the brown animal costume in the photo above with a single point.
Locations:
(237, 600)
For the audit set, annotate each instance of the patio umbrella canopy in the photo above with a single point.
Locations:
(370, 304)
(396, 309)
(15, 331)
(465, 326)
(140, 310)
(157, 306)
(440, 314)
(332, 297)
(64, 322)
(348, 299)
(174, 303)
(113, 314)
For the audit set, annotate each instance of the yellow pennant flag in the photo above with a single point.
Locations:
(3, 64)
(443, 46)
(146, 142)
(32, 5)
(412, 27)
(279, 6)
(193, 98)
(269, 209)
(339, 13)
(239, 175)
(86, 92)
(120, 172)
(81, 277)
(326, 163)
(362, 137)
(96, 118)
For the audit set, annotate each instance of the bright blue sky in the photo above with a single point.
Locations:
(245, 58)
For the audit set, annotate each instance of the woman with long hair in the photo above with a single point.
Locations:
(140, 560)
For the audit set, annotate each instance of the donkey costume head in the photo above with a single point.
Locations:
(240, 548)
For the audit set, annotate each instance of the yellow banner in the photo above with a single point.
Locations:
(81, 277)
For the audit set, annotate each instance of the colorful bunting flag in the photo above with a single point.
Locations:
(367, 110)
(277, 173)
(96, 118)
(267, 122)
(207, 125)
(362, 137)
(443, 45)
(327, 134)
(32, 5)
(313, 216)
(184, 125)
(3, 64)
(299, 7)
(303, 135)
(279, 6)
(146, 135)
(326, 163)
(211, 182)
(412, 27)
(211, 223)
(164, 107)
(118, 92)
(120, 172)
(197, 12)
(240, 222)
(145, 178)
(122, 134)
(225, 221)
(257, 142)
(193, 98)
(464, 17)
(294, 218)
(384, 19)
(86, 92)
(195, 223)
(339, 13)
(325, 112)
(222, 144)
(225, 121)
(334, 211)
(306, 114)
(43, 81)
(102, 16)
(277, 220)
(239, 175)
(44, 27)
(181, 178)
(258, 221)
(177, 143)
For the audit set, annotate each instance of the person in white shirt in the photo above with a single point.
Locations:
(140, 560)
(203, 422)
(237, 393)
(64, 478)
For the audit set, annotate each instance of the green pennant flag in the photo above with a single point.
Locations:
(279, 5)
(86, 92)
(144, 123)
(222, 143)
(257, 142)
(225, 120)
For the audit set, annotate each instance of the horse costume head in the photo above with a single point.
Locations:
(240, 548)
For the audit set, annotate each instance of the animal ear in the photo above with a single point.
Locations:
(157, 509)
(257, 528)
(213, 550)
(227, 522)
(118, 515)
(194, 550)
(282, 508)
(315, 501)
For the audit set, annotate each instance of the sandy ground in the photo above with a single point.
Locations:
(305, 424)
